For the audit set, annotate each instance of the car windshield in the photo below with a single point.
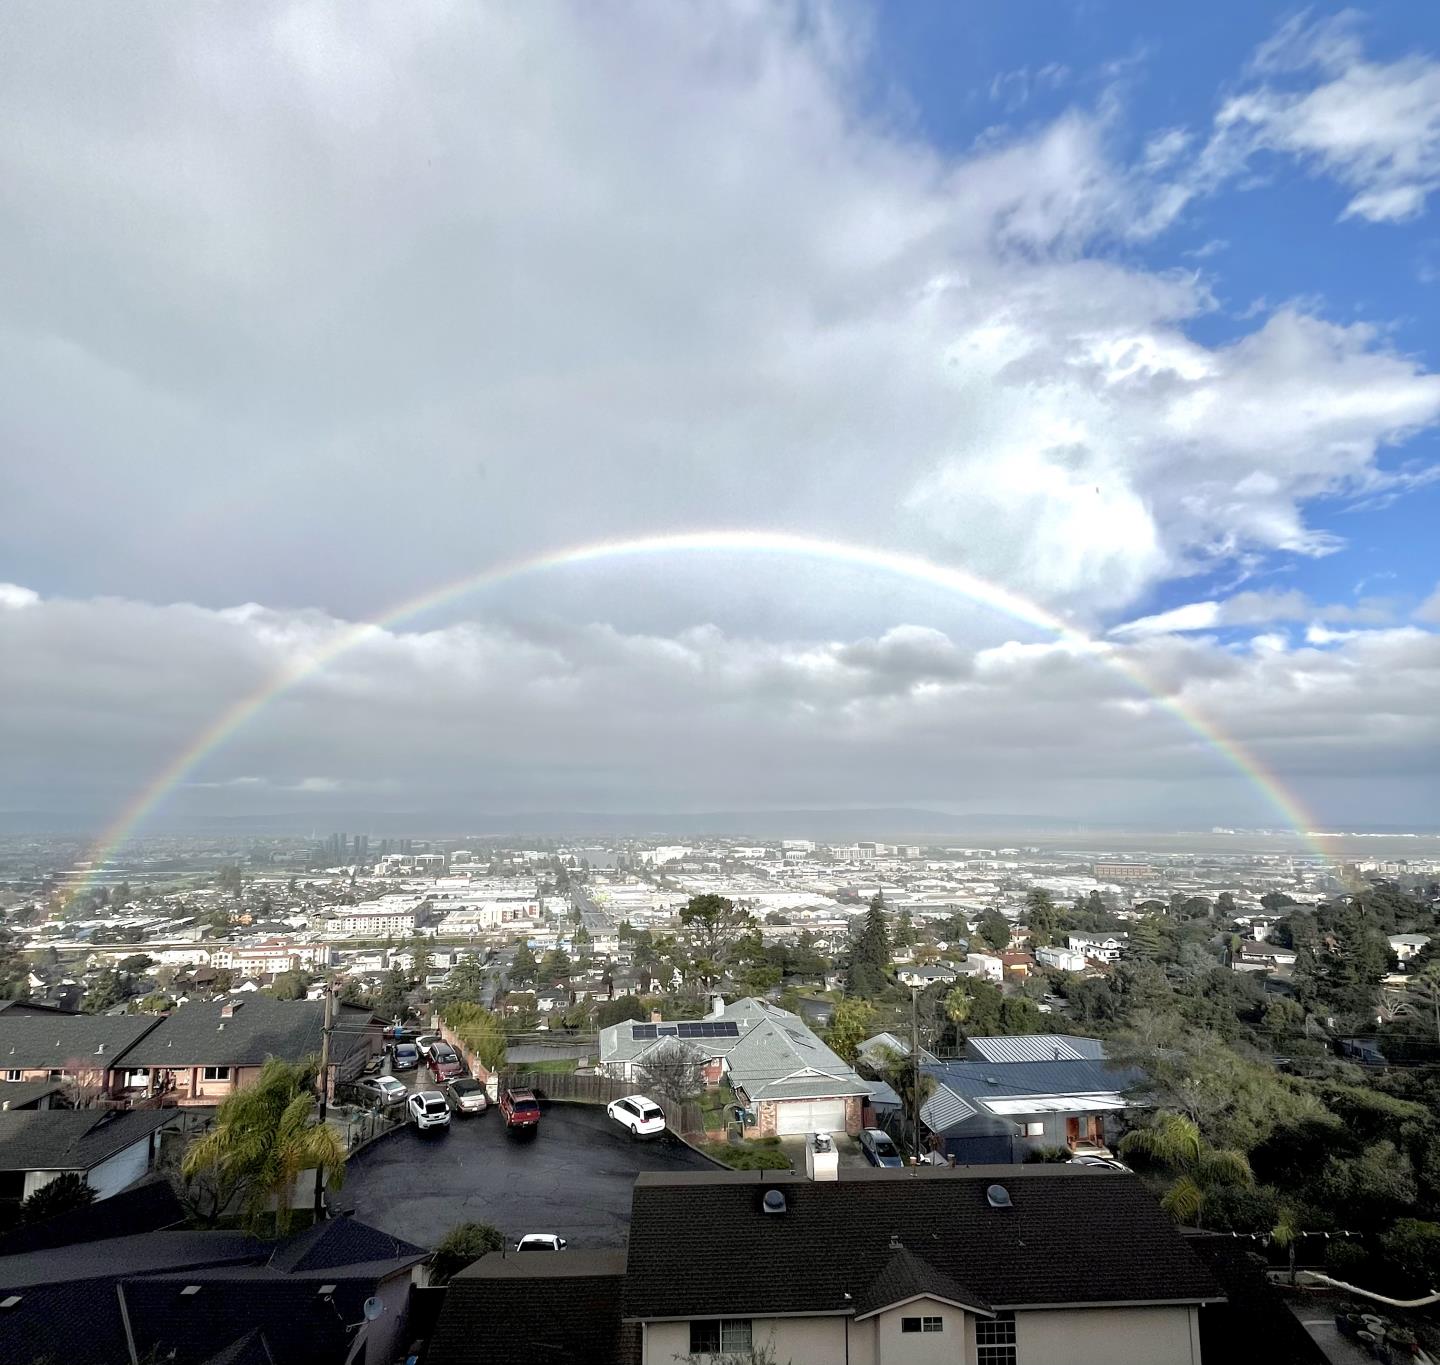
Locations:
(525, 1104)
(465, 1087)
(883, 1146)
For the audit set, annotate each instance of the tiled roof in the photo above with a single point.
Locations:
(58, 1041)
(1074, 1235)
(260, 1027)
(524, 1308)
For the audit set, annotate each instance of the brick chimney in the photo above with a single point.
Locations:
(656, 1017)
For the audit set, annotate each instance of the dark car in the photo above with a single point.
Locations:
(444, 1062)
(406, 1057)
(878, 1149)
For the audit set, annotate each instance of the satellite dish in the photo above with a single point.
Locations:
(373, 1308)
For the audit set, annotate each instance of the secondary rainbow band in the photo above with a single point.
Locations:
(958, 581)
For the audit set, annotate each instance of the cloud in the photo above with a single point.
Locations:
(469, 718)
(1252, 609)
(13, 597)
(428, 313)
(1374, 127)
(1429, 609)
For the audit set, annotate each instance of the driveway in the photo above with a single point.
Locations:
(573, 1177)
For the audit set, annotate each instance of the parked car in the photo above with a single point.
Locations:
(541, 1241)
(428, 1109)
(878, 1149)
(643, 1117)
(519, 1108)
(444, 1062)
(467, 1096)
(1106, 1162)
(381, 1090)
(426, 1043)
(406, 1057)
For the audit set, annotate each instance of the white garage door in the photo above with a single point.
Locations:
(810, 1116)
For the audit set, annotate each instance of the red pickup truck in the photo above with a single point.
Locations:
(519, 1109)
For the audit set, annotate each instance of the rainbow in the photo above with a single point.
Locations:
(964, 584)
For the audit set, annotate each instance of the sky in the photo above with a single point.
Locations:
(1130, 312)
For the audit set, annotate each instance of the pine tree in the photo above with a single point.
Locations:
(870, 957)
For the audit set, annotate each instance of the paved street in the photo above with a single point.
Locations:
(572, 1177)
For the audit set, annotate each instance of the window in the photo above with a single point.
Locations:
(995, 1340)
(1033, 1129)
(57, 1075)
(922, 1324)
(714, 1335)
(216, 1073)
(14, 1075)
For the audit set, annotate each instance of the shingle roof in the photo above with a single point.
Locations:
(32, 1041)
(1074, 1235)
(906, 1276)
(251, 1349)
(71, 1139)
(341, 1242)
(145, 1207)
(260, 1027)
(18, 1094)
(519, 1309)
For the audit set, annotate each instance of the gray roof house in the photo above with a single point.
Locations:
(984, 1111)
(110, 1148)
(785, 1077)
(56, 1046)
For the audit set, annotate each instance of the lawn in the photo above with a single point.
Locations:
(763, 1154)
(562, 1067)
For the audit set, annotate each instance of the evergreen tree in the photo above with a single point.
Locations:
(524, 969)
(556, 965)
(994, 928)
(904, 935)
(467, 980)
(393, 1001)
(870, 956)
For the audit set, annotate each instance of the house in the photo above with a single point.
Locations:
(1102, 947)
(31, 1095)
(110, 1148)
(917, 978)
(879, 1051)
(782, 1074)
(993, 1265)
(1017, 964)
(1061, 959)
(984, 965)
(1406, 946)
(207, 1049)
(196, 1297)
(983, 1111)
(81, 1049)
(1251, 956)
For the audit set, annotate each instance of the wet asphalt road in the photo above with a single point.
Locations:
(573, 1177)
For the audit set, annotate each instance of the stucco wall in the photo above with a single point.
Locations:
(386, 1335)
(1103, 1336)
(949, 1346)
(813, 1341)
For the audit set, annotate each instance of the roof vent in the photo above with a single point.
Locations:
(990, 1080)
(773, 1202)
(10, 1302)
(998, 1197)
(100, 1051)
(189, 1291)
(326, 1290)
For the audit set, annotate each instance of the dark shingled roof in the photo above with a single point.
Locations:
(72, 1139)
(517, 1309)
(251, 1349)
(55, 1041)
(144, 1207)
(341, 1242)
(905, 1276)
(19, 1094)
(260, 1027)
(1074, 1235)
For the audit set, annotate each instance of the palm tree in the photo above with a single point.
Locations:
(264, 1137)
(1174, 1141)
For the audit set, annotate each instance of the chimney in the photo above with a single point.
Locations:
(227, 1010)
(717, 1007)
(656, 1017)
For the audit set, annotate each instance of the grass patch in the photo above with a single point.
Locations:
(761, 1155)
(556, 1068)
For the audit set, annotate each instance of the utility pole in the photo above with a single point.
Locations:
(915, 1067)
(326, 1028)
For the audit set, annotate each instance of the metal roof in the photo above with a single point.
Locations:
(1035, 1047)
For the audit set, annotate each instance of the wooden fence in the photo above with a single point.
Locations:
(684, 1118)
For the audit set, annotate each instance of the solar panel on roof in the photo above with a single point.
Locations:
(727, 1030)
(642, 1031)
(667, 1030)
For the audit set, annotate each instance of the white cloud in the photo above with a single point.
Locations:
(1429, 609)
(471, 718)
(1254, 609)
(13, 597)
(683, 282)
(1374, 127)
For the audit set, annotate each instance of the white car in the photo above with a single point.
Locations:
(429, 1109)
(644, 1118)
(426, 1043)
(382, 1090)
(541, 1241)
(1105, 1162)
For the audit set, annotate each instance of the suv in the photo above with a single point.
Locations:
(445, 1063)
(428, 1109)
(644, 1118)
(519, 1109)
